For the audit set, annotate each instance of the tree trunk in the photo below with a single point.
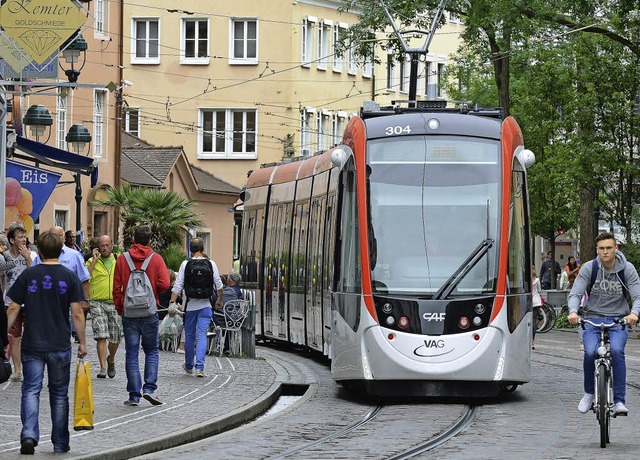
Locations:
(587, 225)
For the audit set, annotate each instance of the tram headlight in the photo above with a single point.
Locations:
(477, 321)
(390, 320)
(479, 308)
(403, 322)
(463, 322)
(433, 123)
(387, 308)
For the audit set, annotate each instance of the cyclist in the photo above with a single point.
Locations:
(615, 281)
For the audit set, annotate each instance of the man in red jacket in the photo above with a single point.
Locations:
(138, 328)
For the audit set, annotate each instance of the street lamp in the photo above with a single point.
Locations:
(78, 136)
(75, 46)
(38, 118)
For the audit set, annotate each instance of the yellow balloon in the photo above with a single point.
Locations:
(28, 223)
(11, 214)
(25, 205)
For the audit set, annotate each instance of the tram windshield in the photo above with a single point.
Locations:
(432, 201)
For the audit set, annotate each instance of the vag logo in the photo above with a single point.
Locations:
(431, 348)
(434, 316)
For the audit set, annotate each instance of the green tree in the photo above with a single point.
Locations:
(168, 214)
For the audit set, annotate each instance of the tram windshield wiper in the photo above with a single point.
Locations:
(464, 268)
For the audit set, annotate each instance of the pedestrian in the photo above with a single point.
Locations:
(70, 240)
(22, 257)
(74, 261)
(536, 300)
(106, 323)
(47, 293)
(4, 267)
(200, 280)
(550, 269)
(571, 269)
(614, 280)
(140, 329)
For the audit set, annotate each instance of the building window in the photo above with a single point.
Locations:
(60, 217)
(339, 30)
(429, 80)
(324, 34)
(132, 121)
(98, 117)
(244, 41)
(440, 81)
(367, 68)
(322, 129)
(391, 72)
(205, 236)
(227, 133)
(338, 124)
(99, 15)
(195, 41)
(352, 64)
(61, 123)
(306, 126)
(308, 25)
(405, 75)
(146, 41)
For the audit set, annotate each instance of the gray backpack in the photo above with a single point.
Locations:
(139, 299)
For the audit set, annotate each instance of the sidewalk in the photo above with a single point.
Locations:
(234, 391)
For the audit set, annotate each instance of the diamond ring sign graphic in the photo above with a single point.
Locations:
(39, 27)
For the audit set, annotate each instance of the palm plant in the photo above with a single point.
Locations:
(167, 213)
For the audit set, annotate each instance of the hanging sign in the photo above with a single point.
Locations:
(27, 190)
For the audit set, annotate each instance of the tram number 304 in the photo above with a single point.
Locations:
(397, 130)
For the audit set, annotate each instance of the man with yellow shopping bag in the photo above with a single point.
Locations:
(47, 292)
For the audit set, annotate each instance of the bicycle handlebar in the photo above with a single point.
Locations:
(622, 322)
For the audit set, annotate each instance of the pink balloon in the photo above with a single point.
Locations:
(13, 192)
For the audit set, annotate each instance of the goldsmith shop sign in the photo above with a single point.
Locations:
(39, 27)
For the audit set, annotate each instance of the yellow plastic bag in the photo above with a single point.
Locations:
(83, 398)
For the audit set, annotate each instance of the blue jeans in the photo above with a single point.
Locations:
(618, 340)
(58, 371)
(145, 331)
(196, 326)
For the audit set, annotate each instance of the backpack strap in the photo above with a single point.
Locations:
(129, 260)
(594, 274)
(146, 262)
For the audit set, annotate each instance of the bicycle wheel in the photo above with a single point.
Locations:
(602, 406)
(540, 322)
(551, 317)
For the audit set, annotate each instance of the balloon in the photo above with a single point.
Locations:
(25, 205)
(13, 192)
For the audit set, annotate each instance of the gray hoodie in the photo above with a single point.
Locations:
(607, 296)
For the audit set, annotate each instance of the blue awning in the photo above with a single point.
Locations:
(58, 158)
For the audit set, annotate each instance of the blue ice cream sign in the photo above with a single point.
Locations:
(27, 190)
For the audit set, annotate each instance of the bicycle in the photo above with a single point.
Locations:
(603, 402)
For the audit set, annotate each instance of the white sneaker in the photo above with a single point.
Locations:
(620, 409)
(585, 403)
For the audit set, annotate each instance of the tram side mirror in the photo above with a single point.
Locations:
(527, 158)
(340, 155)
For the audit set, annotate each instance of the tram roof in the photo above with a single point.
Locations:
(315, 165)
(288, 172)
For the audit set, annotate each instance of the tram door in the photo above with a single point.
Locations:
(299, 254)
(328, 261)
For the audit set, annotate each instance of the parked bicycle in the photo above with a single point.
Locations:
(546, 319)
(603, 404)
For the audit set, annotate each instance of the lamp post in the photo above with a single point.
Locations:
(38, 118)
(73, 48)
(78, 136)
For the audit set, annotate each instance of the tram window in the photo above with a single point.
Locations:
(350, 269)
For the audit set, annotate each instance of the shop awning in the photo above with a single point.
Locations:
(57, 158)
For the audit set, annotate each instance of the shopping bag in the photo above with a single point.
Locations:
(83, 397)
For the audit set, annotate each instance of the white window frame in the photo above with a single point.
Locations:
(429, 77)
(194, 60)
(205, 235)
(338, 123)
(367, 68)
(306, 46)
(127, 120)
(135, 59)
(99, 106)
(306, 127)
(61, 122)
(324, 42)
(405, 75)
(62, 210)
(243, 60)
(228, 153)
(101, 19)
(338, 61)
(322, 130)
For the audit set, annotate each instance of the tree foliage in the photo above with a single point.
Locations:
(168, 214)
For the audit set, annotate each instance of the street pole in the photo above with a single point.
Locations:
(3, 151)
(78, 204)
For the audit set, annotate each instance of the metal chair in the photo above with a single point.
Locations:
(232, 315)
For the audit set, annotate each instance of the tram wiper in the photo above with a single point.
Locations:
(464, 268)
